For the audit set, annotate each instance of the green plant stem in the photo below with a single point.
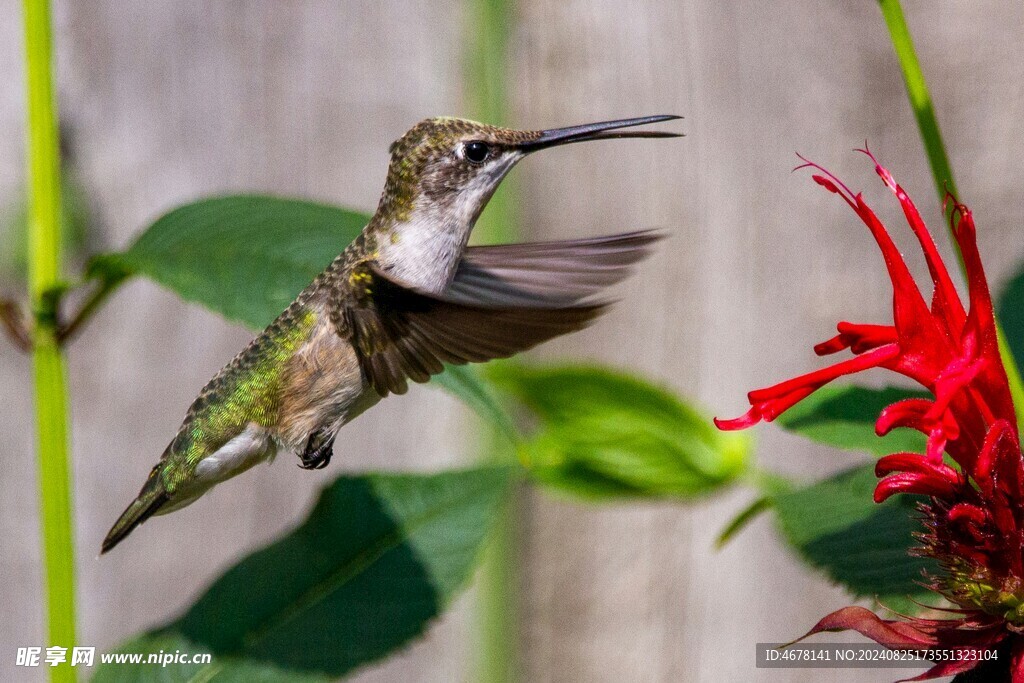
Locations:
(938, 160)
(47, 361)
(497, 595)
(95, 299)
(485, 86)
(920, 99)
(1012, 374)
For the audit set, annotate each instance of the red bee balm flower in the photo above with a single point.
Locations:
(973, 517)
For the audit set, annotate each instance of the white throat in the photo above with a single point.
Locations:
(424, 251)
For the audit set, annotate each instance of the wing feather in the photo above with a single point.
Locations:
(503, 300)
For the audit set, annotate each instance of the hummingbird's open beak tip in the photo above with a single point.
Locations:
(635, 134)
(603, 130)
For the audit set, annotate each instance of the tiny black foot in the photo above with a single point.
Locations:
(318, 452)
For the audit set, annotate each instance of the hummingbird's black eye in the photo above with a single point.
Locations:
(476, 152)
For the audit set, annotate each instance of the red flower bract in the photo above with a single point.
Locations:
(974, 524)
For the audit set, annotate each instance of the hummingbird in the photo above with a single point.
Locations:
(404, 298)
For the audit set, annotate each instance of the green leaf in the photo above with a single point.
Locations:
(836, 526)
(245, 257)
(605, 434)
(380, 556)
(844, 417)
(1010, 312)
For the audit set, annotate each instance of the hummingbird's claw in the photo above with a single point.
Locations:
(318, 452)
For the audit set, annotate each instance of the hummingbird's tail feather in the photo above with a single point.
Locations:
(150, 499)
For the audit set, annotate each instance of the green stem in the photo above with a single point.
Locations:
(486, 69)
(942, 172)
(485, 85)
(95, 299)
(47, 360)
(497, 598)
(1013, 375)
(920, 99)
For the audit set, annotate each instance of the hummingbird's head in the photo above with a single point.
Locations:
(450, 167)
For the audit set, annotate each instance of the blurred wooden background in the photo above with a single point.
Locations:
(171, 101)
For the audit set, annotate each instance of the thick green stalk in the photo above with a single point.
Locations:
(485, 86)
(920, 99)
(497, 657)
(942, 172)
(47, 360)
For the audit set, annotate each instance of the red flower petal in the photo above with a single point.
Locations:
(915, 413)
(770, 402)
(892, 634)
(945, 301)
(913, 462)
(968, 512)
(993, 393)
(858, 338)
(914, 482)
(974, 522)
(976, 635)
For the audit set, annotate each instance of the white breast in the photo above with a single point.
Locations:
(425, 250)
(239, 454)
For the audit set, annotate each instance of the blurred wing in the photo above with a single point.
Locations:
(400, 333)
(544, 274)
(503, 300)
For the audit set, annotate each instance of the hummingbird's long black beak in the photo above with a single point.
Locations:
(605, 130)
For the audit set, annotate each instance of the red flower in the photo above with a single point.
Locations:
(974, 519)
